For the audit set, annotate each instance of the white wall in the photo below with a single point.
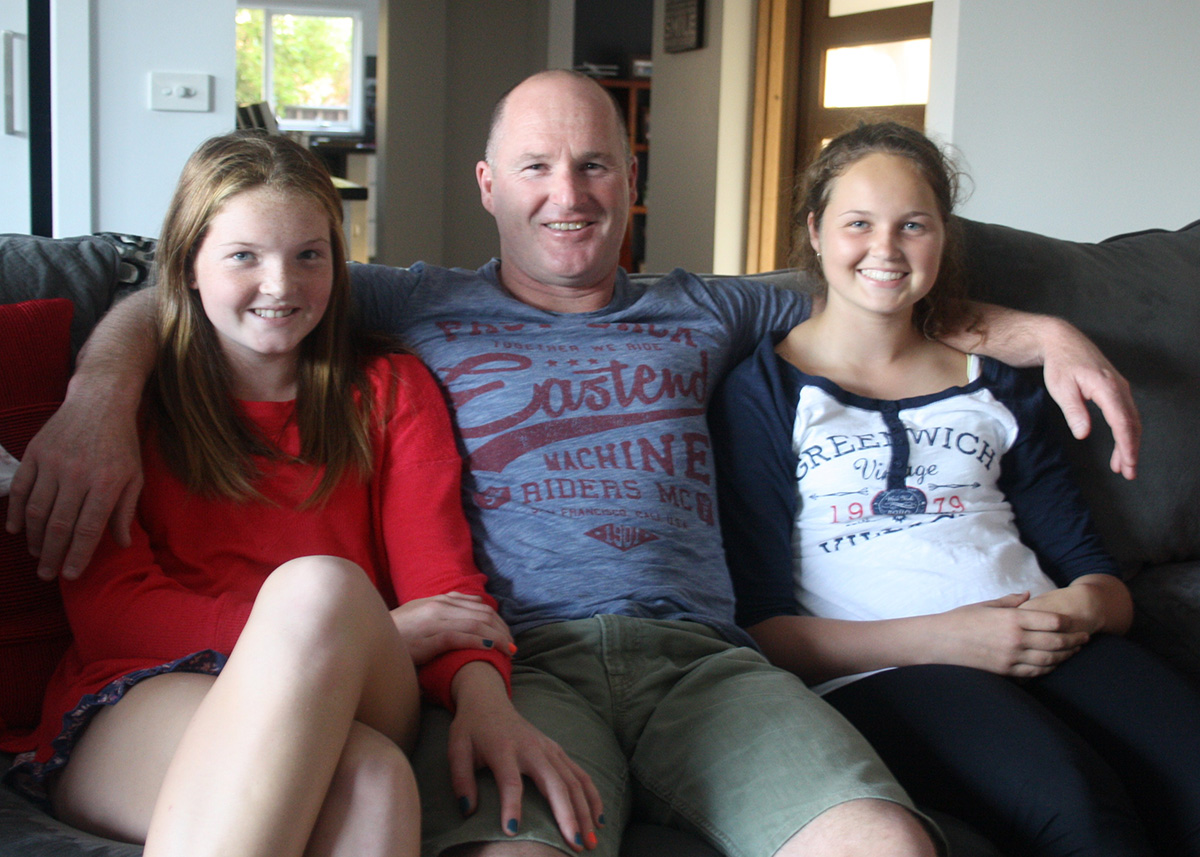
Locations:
(1077, 118)
(139, 152)
(116, 161)
(14, 142)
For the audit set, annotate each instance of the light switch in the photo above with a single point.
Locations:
(170, 91)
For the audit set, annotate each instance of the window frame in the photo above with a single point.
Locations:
(357, 67)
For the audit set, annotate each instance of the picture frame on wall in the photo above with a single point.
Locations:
(683, 26)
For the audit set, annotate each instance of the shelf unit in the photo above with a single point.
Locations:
(633, 98)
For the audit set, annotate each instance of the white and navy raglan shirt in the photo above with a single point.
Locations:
(842, 506)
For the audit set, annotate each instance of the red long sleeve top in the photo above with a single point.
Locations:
(196, 564)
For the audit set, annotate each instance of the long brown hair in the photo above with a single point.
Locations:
(203, 437)
(946, 308)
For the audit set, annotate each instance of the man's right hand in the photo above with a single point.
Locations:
(80, 470)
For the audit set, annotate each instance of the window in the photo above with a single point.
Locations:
(878, 75)
(307, 64)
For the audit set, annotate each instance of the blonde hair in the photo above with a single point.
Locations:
(210, 447)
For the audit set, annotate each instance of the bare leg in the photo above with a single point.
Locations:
(118, 765)
(271, 748)
(372, 801)
(862, 828)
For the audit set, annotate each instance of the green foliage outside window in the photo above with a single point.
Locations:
(249, 56)
(311, 62)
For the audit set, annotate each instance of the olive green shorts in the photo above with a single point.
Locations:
(676, 726)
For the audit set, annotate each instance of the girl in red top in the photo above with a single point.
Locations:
(242, 680)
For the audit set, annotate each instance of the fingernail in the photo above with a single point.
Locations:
(45, 574)
(578, 840)
(590, 839)
(512, 648)
(512, 825)
(464, 805)
(70, 572)
(600, 820)
(487, 644)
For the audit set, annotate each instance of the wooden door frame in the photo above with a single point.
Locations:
(772, 157)
(781, 136)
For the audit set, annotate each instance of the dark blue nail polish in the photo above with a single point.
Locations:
(464, 805)
(512, 825)
(487, 644)
(579, 839)
(600, 820)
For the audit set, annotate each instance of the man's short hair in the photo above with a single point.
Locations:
(498, 111)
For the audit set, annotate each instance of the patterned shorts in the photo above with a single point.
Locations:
(29, 776)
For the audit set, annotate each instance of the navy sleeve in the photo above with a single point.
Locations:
(1035, 476)
(751, 420)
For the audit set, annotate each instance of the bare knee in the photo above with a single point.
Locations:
(372, 806)
(316, 595)
(863, 827)
(375, 769)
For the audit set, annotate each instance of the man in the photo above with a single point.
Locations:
(579, 399)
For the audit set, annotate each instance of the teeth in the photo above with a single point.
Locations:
(272, 313)
(883, 276)
(567, 227)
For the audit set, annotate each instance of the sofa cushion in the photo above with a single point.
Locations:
(83, 270)
(35, 355)
(1138, 297)
(1168, 614)
(26, 830)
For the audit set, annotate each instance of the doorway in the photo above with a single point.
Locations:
(859, 63)
(823, 66)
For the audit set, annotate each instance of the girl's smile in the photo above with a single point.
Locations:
(264, 273)
(881, 237)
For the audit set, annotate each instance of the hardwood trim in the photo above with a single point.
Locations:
(774, 133)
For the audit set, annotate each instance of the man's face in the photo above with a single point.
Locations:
(560, 188)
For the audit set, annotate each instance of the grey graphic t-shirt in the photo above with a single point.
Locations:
(590, 486)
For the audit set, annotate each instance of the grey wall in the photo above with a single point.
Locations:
(446, 63)
(493, 45)
(681, 191)
(410, 129)
(700, 144)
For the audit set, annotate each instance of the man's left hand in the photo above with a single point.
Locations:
(1077, 372)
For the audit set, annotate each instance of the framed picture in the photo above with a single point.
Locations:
(683, 25)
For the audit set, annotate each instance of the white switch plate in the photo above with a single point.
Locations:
(170, 91)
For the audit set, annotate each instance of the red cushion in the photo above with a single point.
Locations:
(35, 363)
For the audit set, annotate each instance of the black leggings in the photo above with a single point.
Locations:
(1099, 757)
